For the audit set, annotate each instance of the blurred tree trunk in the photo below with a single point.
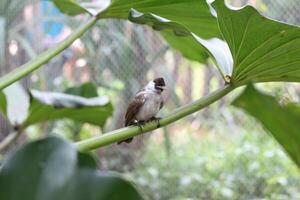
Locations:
(222, 101)
(177, 63)
(208, 75)
(5, 127)
(188, 85)
(3, 45)
(7, 62)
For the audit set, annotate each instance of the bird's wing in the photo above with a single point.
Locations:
(134, 107)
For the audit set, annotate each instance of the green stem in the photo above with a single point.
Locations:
(128, 132)
(34, 64)
(9, 139)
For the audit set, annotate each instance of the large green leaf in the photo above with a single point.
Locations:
(281, 120)
(72, 7)
(52, 169)
(87, 90)
(193, 45)
(195, 15)
(46, 106)
(262, 49)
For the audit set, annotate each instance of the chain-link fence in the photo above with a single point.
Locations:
(120, 57)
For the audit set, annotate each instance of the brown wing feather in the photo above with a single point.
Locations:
(134, 108)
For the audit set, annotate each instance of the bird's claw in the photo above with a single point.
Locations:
(139, 124)
(157, 119)
(134, 123)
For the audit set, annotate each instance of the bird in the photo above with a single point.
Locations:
(145, 105)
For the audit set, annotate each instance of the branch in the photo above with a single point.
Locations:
(43, 58)
(9, 139)
(128, 132)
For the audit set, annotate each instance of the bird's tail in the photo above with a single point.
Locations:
(129, 139)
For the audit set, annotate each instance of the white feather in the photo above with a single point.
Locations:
(151, 106)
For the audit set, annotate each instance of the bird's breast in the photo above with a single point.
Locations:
(150, 108)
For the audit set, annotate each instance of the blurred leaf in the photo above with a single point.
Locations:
(25, 43)
(17, 103)
(262, 49)
(46, 106)
(3, 103)
(281, 120)
(52, 169)
(72, 7)
(87, 90)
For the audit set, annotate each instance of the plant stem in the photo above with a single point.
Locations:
(9, 139)
(128, 132)
(34, 64)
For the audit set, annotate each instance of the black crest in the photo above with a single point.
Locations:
(159, 83)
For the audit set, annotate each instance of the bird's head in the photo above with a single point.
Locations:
(157, 85)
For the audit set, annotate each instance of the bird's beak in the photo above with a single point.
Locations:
(162, 87)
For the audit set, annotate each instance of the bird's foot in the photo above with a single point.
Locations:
(137, 123)
(140, 124)
(134, 123)
(156, 119)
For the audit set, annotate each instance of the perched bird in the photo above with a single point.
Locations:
(145, 105)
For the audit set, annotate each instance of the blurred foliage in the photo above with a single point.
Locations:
(57, 171)
(46, 106)
(243, 165)
(229, 160)
(281, 120)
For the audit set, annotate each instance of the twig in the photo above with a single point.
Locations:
(128, 132)
(9, 139)
(43, 58)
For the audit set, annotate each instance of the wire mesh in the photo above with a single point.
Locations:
(120, 57)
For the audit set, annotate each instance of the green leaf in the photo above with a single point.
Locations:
(187, 46)
(192, 46)
(281, 120)
(17, 103)
(87, 90)
(178, 36)
(72, 7)
(45, 106)
(192, 15)
(195, 15)
(102, 185)
(3, 103)
(262, 49)
(52, 169)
